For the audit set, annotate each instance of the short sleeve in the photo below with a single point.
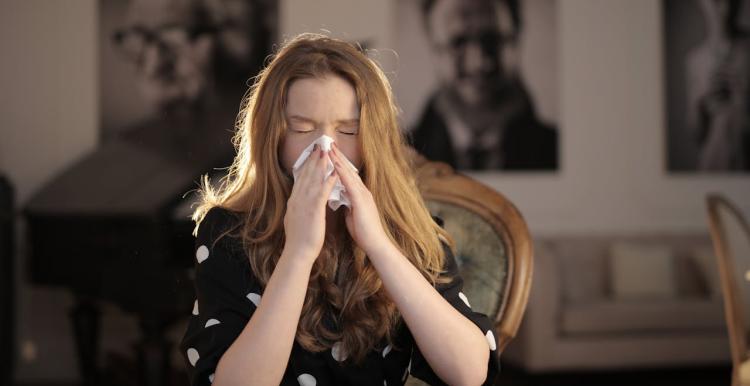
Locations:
(452, 292)
(226, 295)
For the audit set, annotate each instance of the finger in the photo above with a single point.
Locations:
(314, 155)
(315, 179)
(328, 185)
(320, 185)
(323, 158)
(307, 167)
(347, 179)
(345, 171)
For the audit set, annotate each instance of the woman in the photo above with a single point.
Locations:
(292, 292)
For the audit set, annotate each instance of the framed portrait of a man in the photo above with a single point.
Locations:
(477, 80)
(175, 65)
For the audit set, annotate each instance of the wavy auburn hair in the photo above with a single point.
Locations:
(344, 286)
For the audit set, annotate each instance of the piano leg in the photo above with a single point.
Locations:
(153, 352)
(85, 316)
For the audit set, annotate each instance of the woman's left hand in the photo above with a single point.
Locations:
(363, 218)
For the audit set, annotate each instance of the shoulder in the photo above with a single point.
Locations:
(220, 254)
(219, 224)
(218, 220)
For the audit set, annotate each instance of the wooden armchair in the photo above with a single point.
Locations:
(494, 249)
(731, 237)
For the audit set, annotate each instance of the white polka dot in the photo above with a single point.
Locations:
(212, 322)
(491, 340)
(195, 307)
(255, 298)
(201, 254)
(386, 350)
(193, 356)
(408, 368)
(337, 352)
(306, 380)
(211, 378)
(464, 298)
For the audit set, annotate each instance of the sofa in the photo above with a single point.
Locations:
(622, 301)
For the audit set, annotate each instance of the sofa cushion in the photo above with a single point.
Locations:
(584, 269)
(642, 270)
(622, 316)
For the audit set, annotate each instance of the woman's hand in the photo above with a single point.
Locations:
(305, 218)
(363, 219)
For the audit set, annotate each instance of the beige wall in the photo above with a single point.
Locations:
(611, 113)
(48, 75)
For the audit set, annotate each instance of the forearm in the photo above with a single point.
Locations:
(454, 347)
(260, 354)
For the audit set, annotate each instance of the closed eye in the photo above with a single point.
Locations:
(349, 131)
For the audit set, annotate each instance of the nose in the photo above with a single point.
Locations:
(331, 131)
(157, 61)
(475, 60)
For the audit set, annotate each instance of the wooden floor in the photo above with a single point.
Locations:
(510, 376)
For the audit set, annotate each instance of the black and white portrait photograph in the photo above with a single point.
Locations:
(178, 64)
(707, 69)
(477, 82)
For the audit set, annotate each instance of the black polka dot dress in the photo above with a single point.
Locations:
(227, 296)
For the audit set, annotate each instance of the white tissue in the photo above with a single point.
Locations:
(337, 197)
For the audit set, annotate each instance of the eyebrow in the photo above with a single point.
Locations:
(305, 119)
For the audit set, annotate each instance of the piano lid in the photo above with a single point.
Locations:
(142, 172)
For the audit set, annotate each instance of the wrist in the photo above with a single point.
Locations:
(383, 247)
(298, 257)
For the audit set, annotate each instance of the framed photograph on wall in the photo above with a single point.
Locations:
(477, 82)
(707, 73)
(164, 63)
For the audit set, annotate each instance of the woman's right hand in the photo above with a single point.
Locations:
(305, 218)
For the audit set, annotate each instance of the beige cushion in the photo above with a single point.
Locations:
(642, 270)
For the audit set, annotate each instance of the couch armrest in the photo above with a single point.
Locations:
(539, 325)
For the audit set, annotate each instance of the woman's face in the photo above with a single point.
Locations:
(318, 106)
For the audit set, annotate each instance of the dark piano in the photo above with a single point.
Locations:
(115, 227)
